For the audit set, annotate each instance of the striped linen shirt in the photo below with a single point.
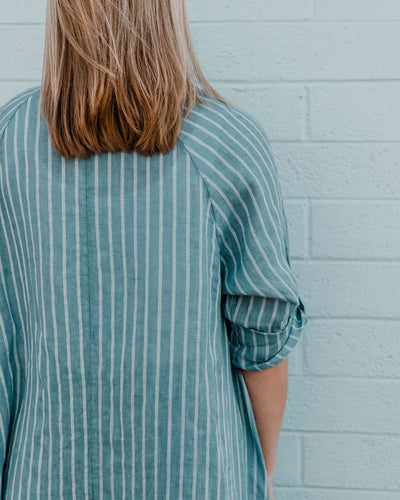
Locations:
(133, 290)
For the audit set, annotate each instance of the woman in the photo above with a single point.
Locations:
(147, 300)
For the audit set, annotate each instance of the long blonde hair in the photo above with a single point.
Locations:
(118, 75)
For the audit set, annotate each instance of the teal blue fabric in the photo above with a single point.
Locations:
(133, 291)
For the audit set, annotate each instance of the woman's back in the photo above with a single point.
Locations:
(133, 288)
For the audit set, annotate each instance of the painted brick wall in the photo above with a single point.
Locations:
(323, 76)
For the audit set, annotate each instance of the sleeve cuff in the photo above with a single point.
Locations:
(255, 350)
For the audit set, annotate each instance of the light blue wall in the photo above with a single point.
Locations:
(323, 77)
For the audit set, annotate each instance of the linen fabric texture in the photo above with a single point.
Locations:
(133, 291)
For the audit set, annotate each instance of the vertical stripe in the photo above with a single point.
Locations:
(68, 333)
(125, 296)
(112, 325)
(99, 341)
(38, 240)
(215, 332)
(198, 334)
(205, 368)
(145, 326)
(159, 323)
(60, 436)
(81, 332)
(172, 339)
(188, 227)
(133, 290)
(36, 420)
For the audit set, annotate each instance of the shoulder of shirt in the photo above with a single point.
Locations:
(11, 106)
(229, 143)
(219, 130)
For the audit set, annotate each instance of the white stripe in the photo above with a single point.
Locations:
(199, 326)
(122, 378)
(112, 323)
(81, 332)
(67, 330)
(145, 326)
(34, 261)
(185, 333)
(172, 339)
(42, 327)
(133, 354)
(159, 320)
(205, 366)
(55, 328)
(100, 333)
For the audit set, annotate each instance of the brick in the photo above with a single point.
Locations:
(237, 10)
(297, 214)
(288, 460)
(352, 461)
(356, 112)
(353, 348)
(346, 290)
(23, 11)
(291, 51)
(20, 59)
(272, 105)
(358, 9)
(342, 404)
(305, 493)
(341, 170)
(224, 50)
(340, 435)
(296, 360)
(356, 229)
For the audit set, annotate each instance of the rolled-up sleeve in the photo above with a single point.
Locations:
(260, 348)
(260, 300)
